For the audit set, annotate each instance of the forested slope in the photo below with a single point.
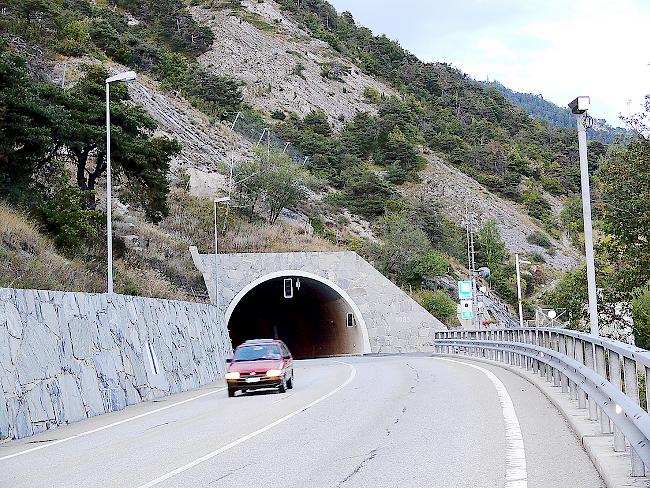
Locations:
(337, 139)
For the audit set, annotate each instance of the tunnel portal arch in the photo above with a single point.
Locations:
(327, 288)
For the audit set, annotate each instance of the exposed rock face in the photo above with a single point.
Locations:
(451, 189)
(68, 356)
(205, 145)
(282, 65)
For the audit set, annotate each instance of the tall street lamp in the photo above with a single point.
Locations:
(217, 201)
(126, 76)
(518, 262)
(579, 107)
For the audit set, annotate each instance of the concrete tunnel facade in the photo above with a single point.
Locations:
(343, 304)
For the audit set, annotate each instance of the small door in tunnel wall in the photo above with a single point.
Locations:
(313, 322)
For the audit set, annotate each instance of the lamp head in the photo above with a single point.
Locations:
(126, 76)
(580, 105)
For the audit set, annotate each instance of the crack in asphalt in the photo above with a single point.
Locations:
(417, 377)
(231, 472)
(411, 390)
(159, 425)
(369, 457)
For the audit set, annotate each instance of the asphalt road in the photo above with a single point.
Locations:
(399, 421)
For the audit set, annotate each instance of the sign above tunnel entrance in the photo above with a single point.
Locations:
(465, 290)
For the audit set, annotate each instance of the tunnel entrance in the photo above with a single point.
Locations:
(311, 315)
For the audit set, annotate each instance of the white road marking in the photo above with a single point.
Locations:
(516, 474)
(114, 424)
(210, 455)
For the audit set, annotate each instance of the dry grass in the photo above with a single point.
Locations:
(159, 266)
(29, 260)
(262, 237)
(190, 223)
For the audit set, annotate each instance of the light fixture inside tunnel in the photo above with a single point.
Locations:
(288, 288)
(351, 322)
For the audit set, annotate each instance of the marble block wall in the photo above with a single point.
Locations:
(68, 356)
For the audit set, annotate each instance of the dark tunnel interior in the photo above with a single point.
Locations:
(313, 323)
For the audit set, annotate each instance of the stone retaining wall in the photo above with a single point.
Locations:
(68, 356)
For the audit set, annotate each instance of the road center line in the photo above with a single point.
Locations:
(210, 455)
(516, 473)
(114, 424)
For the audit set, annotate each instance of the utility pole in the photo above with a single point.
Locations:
(471, 265)
(579, 107)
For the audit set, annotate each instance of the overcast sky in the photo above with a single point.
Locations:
(558, 48)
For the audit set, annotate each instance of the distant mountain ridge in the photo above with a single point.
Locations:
(560, 117)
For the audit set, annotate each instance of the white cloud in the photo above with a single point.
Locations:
(557, 48)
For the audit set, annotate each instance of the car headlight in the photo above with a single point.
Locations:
(274, 373)
(233, 375)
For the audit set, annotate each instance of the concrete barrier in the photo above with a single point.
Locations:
(68, 356)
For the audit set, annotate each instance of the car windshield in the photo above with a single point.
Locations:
(257, 352)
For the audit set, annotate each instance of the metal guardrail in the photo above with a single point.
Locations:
(605, 377)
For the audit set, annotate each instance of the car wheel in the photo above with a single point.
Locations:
(283, 386)
(231, 392)
(290, 382)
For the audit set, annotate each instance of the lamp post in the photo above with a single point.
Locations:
(126, 76)
(217, 201)
(579, 107)
(519, 295)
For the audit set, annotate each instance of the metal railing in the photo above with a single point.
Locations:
(606, 378)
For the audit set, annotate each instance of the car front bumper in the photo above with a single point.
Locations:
(263, 382)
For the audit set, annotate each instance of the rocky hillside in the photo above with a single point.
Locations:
(282, 66)
(262, 48)
(453, 192)
(378, 153)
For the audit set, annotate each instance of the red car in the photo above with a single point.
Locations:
(260, 363)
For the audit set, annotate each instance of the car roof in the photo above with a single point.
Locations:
(261, 341)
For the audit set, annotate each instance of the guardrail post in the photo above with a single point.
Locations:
(615, 379)
(564, 380)
(589, 362)
(547, 344)
(601, 369)
(571, 352)
(632, 391)
(529, 361)
(535, 341)
(556, 347)
(580, 357)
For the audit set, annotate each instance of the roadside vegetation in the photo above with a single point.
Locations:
(52, 155)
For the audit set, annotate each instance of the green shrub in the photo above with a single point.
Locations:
(537, 258)
(371, 95)
(65, 214)
(298, 69)
(538, 207)
(539, 238)
(278, 115)
(437, 303)
(641, 315)
(429, 265)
